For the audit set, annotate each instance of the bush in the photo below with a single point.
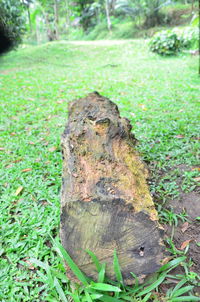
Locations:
(170, 42)
(12, 20)
(190, 37)
(166, 43)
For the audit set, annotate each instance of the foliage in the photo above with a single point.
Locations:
(160, 97)
(189, 36)
(101, 289)
(166, 43)
(170, 42)
(49, 20)
(149, 10)
(13, 20)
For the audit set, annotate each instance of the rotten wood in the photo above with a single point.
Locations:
(105, 202)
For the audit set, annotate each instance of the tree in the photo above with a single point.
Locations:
(12, 20)
(27, 4)
(149, 9)
(107, 6)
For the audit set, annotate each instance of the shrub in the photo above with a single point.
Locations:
(166, 43)
(190, 37)
(12, 20)
(170, 42)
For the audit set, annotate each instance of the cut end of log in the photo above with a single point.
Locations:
(106, 204)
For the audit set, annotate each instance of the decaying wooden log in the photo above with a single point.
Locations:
(105, 203)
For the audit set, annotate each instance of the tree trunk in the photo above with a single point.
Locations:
(108, 15)
(29, 18)
(50, 33)
(192, 6)
(67, 15)
(105, 203)
(56, 17)
(37, 33)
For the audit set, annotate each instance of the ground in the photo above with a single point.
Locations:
(160, 97)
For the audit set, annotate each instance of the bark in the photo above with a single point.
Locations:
(108, 15)
(105, 202)
(67, 15)
(51, 35)
(56, 16)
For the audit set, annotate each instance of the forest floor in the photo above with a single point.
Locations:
(159, 95)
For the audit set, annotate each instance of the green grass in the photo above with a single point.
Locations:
(158, 95)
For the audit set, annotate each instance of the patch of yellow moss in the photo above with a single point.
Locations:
(133, 179)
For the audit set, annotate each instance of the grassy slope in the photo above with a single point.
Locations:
(158, 95)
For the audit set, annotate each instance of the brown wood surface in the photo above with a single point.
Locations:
(105, 203)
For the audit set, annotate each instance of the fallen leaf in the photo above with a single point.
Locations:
(196, 138)
(30, 265)
(184, 244)
(19, 190)
(48, 117)
(196, 168)
(52, 149)
(166, 260)
(142, 106)
(179, 136)
(27, 170)
(9, 166)
(17, 160)
(60, 101)
(197, 178)
(14, 118)
(184, 227)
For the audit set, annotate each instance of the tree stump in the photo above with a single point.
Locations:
(105, 202)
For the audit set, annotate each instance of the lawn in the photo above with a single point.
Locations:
(159, 95)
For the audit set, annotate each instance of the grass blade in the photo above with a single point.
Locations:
(94, 259)
(75, 269)
(185, 298)
(106, 298)
(74, 296)
(146, 298)
(59, 290)
(179, 285)
(117, 269)
(182, 291)
(152, 286)
(105, 287)
(171, 264)
(93, 297)
(89, 299)
(101, 275)
(38, 263)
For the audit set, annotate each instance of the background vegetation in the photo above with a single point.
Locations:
(159, 94)
(49, 20)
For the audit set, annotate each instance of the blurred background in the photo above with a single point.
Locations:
(39, 21)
